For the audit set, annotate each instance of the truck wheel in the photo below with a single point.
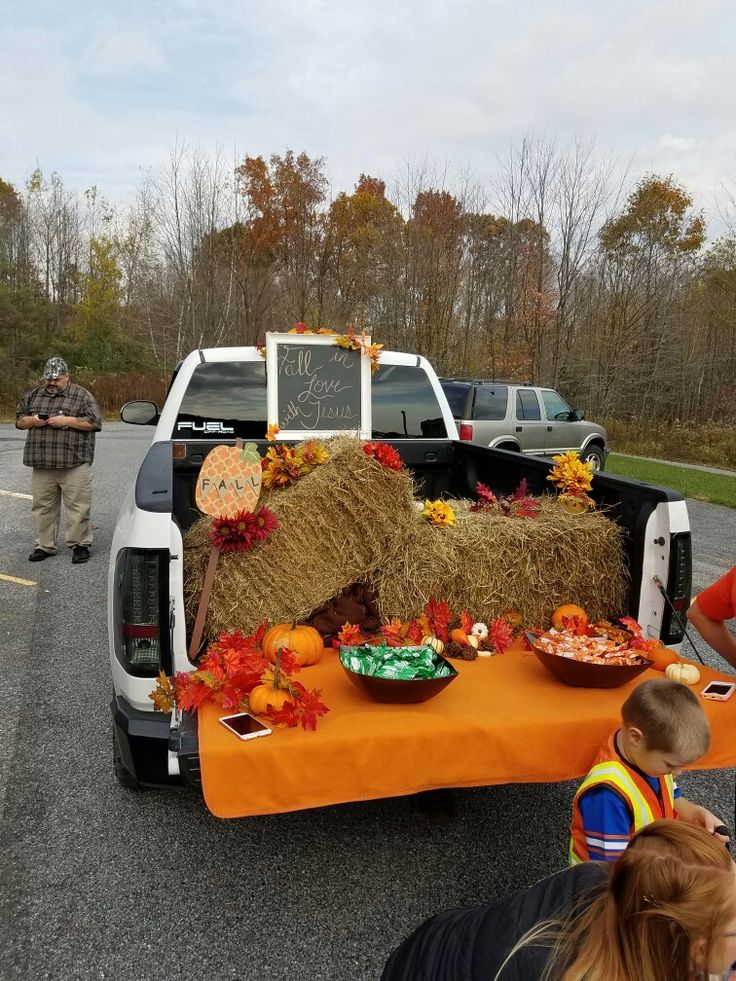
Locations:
(594, 455)
(122, 774)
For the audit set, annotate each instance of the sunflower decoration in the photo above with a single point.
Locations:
(439, 513)
(574, 479)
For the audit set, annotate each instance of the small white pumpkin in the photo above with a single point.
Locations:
(682, 671)
(474, 641)
(479, 630)
(434, 642)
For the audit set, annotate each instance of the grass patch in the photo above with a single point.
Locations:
(700, 485)
(709, 444)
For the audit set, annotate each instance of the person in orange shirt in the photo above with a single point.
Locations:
(709, 611)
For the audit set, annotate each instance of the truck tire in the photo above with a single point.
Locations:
(594, 454)
(122, 774)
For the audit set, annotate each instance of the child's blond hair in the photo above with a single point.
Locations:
(670, 718)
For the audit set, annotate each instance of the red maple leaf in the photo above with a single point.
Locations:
(414, 632)
(521, 491)
(631, 625)
(527, 507)
(191, 692)
(466, 621)
(501, 634)
(485, 494)
(350, 635)
(311, 707)
(287, 715)
(439, 616)
(577, 626)
(393, 632)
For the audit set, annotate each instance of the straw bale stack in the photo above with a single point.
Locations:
(488, 562)
(335, 524)
(352, 520)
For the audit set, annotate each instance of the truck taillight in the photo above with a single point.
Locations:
(679, 583)
(466, 432)
(141, 611)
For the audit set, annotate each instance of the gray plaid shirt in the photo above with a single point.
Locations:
(59, 448)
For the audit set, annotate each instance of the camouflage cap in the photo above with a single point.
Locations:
(55, 367)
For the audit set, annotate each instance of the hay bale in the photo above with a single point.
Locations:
(334, 526)
(488, 562)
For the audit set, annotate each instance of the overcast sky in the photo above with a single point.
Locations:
(101, 91)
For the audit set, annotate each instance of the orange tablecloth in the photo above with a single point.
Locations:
(505, 719)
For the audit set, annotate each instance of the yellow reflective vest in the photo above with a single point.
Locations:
(644, 806)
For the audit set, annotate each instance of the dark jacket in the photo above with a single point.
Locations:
(470, 944)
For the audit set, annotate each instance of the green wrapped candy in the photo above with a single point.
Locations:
(400, 663)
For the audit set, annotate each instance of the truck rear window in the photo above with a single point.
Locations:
(229, 399)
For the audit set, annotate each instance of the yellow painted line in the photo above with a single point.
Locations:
(20, 582)
(24, 497)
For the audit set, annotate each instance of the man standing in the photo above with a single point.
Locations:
(709, 612)
(62, 419)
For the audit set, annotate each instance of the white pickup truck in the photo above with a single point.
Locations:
(219, 395)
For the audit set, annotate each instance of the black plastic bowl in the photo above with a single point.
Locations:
(585, 674)
(398, 690)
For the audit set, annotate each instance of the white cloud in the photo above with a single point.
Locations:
(368, 85)
(119, 51)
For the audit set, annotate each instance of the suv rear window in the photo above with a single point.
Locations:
(490, 402)
(527, 404)
(457, 396)
(229, 399)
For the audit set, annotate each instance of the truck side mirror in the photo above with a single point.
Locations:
(140, 413)
(577, 415)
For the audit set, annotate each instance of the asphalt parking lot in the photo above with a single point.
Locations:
(103, 883)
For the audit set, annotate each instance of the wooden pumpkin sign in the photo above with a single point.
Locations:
(229, 481)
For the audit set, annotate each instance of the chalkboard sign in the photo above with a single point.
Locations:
(317, 388)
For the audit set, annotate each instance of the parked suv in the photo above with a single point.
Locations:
(511, 416)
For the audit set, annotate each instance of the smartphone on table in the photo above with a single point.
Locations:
(718, 691)
(245, 726)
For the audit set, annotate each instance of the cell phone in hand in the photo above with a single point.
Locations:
(245, 726)
(43, 415)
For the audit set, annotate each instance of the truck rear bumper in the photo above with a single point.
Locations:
(143, 741)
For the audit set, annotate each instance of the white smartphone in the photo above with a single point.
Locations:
(719, 691)
(245, 726)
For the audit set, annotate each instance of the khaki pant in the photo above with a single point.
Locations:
(50, 486)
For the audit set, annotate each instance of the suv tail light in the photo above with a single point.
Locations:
(679, 582)
(466, 432)
(141, 611)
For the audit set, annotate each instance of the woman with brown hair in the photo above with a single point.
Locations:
(665, 911)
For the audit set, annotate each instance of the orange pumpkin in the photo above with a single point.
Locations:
(229, 481)
(265, 698)
(305, 641)
(569, 611)
(662, 657)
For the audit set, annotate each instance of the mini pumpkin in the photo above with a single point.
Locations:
(229, 481)
(305, 641)
(434, 642)
(569, 611)
(265, 698)
(684, 672)
(661, 657)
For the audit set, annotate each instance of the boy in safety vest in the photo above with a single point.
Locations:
(631, 783)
